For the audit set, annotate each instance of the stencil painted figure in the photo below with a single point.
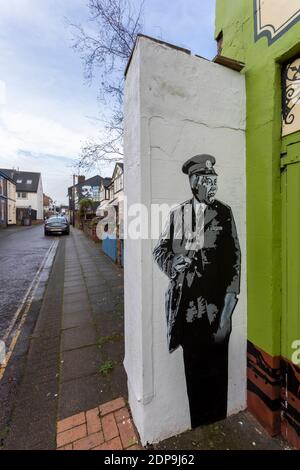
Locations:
(199, 252)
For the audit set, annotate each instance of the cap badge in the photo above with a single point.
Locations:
(208, 164)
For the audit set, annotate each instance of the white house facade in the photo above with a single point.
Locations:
(29, 190)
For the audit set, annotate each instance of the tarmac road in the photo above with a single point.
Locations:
(22, 250)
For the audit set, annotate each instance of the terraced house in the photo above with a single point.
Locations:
(29, 189)
(7, 200)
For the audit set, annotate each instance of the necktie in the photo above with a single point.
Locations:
(199, 212)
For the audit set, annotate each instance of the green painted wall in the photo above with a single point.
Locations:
(263, 82)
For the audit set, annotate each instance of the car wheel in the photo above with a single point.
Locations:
(46, 233)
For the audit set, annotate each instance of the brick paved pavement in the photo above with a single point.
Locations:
(106, 427)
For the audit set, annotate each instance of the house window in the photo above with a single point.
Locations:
(291, 97)
(19, 181)
(1, 186)
(96, 193)
(29, 182)
(118, 183)
(22, 195)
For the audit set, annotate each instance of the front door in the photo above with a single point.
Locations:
(290, 321)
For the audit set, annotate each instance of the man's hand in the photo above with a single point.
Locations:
(224, 329)
(229, 304)
(223, 333)
(180, 263)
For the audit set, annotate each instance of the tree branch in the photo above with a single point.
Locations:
(116, 28)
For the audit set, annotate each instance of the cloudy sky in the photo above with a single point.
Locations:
(47, 111)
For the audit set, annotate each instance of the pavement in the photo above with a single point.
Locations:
(65, 386)
(238, 432)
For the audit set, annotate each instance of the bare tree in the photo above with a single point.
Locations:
(105, 51)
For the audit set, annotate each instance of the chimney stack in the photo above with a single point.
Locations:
(81, 179)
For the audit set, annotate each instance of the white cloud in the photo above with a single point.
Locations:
(44, 17)
(43, 123)
(20, 130)
(43, 120)
(37, 143)
(2, 92)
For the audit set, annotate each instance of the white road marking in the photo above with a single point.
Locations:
(2, 352)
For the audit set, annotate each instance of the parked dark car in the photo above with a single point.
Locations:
(57, 225)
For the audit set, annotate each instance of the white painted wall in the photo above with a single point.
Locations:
(176, 106)
(30, 200)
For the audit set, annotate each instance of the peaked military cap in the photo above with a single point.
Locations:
(202, 164)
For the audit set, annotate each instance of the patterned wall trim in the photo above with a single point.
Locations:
(290, 403)
(273, 30)
(264, 388)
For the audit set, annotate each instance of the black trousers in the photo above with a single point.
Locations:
(206, 371)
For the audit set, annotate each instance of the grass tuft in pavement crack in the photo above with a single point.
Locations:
(106, 368)
(132, 442)
(109, 339)
(3, 434)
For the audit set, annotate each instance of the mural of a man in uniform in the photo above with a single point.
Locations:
(200, 253)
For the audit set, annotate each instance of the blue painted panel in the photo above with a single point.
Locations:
(122, 252)
(109, 247)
